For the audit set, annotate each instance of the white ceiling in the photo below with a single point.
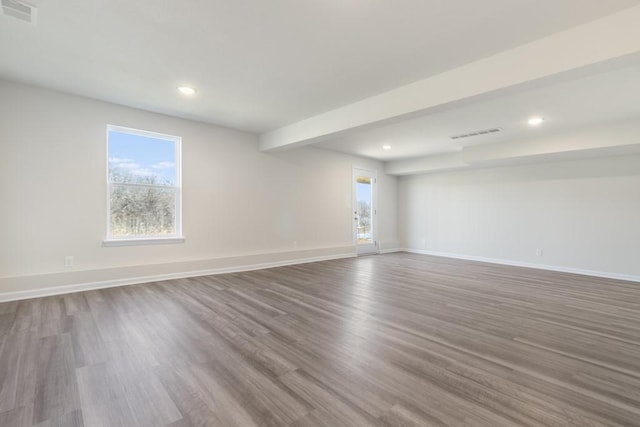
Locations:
(259, 65)
(585, 101)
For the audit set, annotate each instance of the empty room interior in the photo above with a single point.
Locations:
(320, 213)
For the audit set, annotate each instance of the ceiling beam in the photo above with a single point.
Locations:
(600, 41)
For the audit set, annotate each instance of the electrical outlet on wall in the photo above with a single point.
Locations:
(539, 252)
(68, 261)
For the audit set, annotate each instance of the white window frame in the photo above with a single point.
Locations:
(177, 237)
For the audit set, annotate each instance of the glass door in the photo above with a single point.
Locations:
(365, 211)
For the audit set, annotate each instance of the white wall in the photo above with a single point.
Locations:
(583, 214)
(241, 207)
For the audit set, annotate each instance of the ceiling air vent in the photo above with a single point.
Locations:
(476, 133)
(20, 10)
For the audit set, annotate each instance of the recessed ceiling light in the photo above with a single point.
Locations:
(386, 147)
(535, 121)
(186, 90)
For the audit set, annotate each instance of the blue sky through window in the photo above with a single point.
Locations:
(363, 192)
(142, 157)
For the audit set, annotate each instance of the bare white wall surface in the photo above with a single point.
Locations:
(240, 206)
(583, 215)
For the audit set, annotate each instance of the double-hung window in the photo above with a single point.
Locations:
(144, 187)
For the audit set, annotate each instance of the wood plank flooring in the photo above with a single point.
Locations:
(387, 340)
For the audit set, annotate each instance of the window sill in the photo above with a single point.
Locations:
(143, 241)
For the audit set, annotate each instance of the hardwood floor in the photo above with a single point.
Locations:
(387, 340)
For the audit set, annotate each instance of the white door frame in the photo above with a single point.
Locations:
(371, 248)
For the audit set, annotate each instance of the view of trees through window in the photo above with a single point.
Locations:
(364, 199)
(143, 184)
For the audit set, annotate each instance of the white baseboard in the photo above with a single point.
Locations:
(390, 251)
(603, 274)
(67, 289)
(102, 284)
